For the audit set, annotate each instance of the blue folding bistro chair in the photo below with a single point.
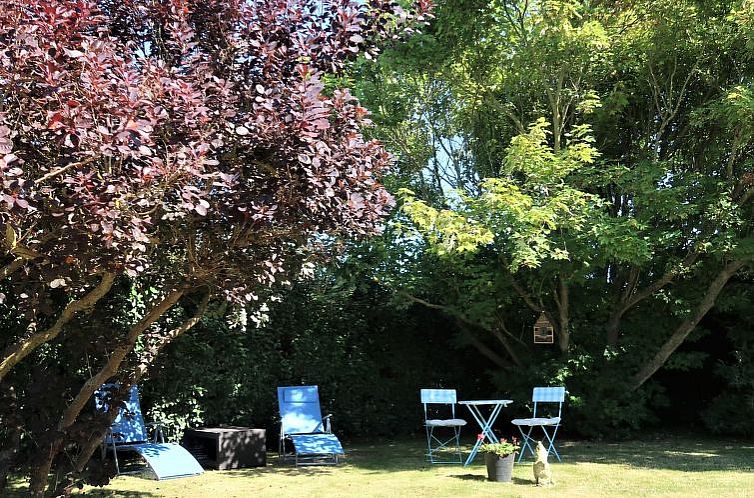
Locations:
(443, 446)
(129, 433)
(541, 395)
(302, 424)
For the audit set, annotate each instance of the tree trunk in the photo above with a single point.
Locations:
(563, 302)
(612, 329)
(685, 328)
(47, 453)
(12, 442)
(16, 352)
(88, 449)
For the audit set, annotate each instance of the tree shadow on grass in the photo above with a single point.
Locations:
(277, 467)
(23, 492)
(668, 453)
(671, 454)
(273, 467)
(106, 492)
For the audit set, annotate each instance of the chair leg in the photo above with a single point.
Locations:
(457, 431)
(525, 443)
(115, 457)
(430, 436)
(551, 442)
(449, 442)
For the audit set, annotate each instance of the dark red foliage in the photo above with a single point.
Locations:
(190, 139)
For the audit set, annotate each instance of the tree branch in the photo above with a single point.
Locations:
(16, 352)
(480, 346)
(12, 267)
(91, 446)
(63, 169)
(449, 310)
(40, 472)
(154, 349)
(630, 300)
(504, 341)
(687, 326)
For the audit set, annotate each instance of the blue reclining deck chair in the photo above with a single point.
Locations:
(128, 432)
(541, 395)
(436, 444)
(301, 422)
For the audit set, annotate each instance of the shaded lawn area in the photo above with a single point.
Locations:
(672, 467)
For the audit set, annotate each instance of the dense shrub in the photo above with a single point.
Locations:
(732, 411)
(368, 358)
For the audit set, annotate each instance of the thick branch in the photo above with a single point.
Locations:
(154, 349)
(41, 471)
(480, 346)
(745, 196)
(631, 299)
(507, 345)
(12, 267)
(563, 302)
(520, 128)
(449, 310)
(91, 446)
(525, 296)
(117, 357)
(684, 329)
(16, 352)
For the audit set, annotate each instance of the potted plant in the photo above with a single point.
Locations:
(500, 458)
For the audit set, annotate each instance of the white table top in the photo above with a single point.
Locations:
(503, 402)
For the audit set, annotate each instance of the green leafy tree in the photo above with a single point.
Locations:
(605, 160)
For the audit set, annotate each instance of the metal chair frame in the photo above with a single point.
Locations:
(157, 437)
(542, 395)
(436, 443)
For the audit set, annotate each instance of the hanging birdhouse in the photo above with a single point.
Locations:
(544, 332)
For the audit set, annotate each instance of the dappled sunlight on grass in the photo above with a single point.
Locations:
(673, 454)
(666, 468)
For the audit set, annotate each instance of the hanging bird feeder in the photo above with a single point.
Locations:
(544, 332)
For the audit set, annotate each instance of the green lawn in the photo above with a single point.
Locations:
(669, 467)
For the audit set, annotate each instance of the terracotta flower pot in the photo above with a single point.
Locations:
(499, 469)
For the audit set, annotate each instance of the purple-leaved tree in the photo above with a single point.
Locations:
(188, 142)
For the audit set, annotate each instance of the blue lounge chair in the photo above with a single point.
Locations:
(541, 395)
(129, 433)
(302, 424)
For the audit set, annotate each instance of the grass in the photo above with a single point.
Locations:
(669, 467)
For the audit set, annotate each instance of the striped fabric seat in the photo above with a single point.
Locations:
(536, 421)
(450, 422)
